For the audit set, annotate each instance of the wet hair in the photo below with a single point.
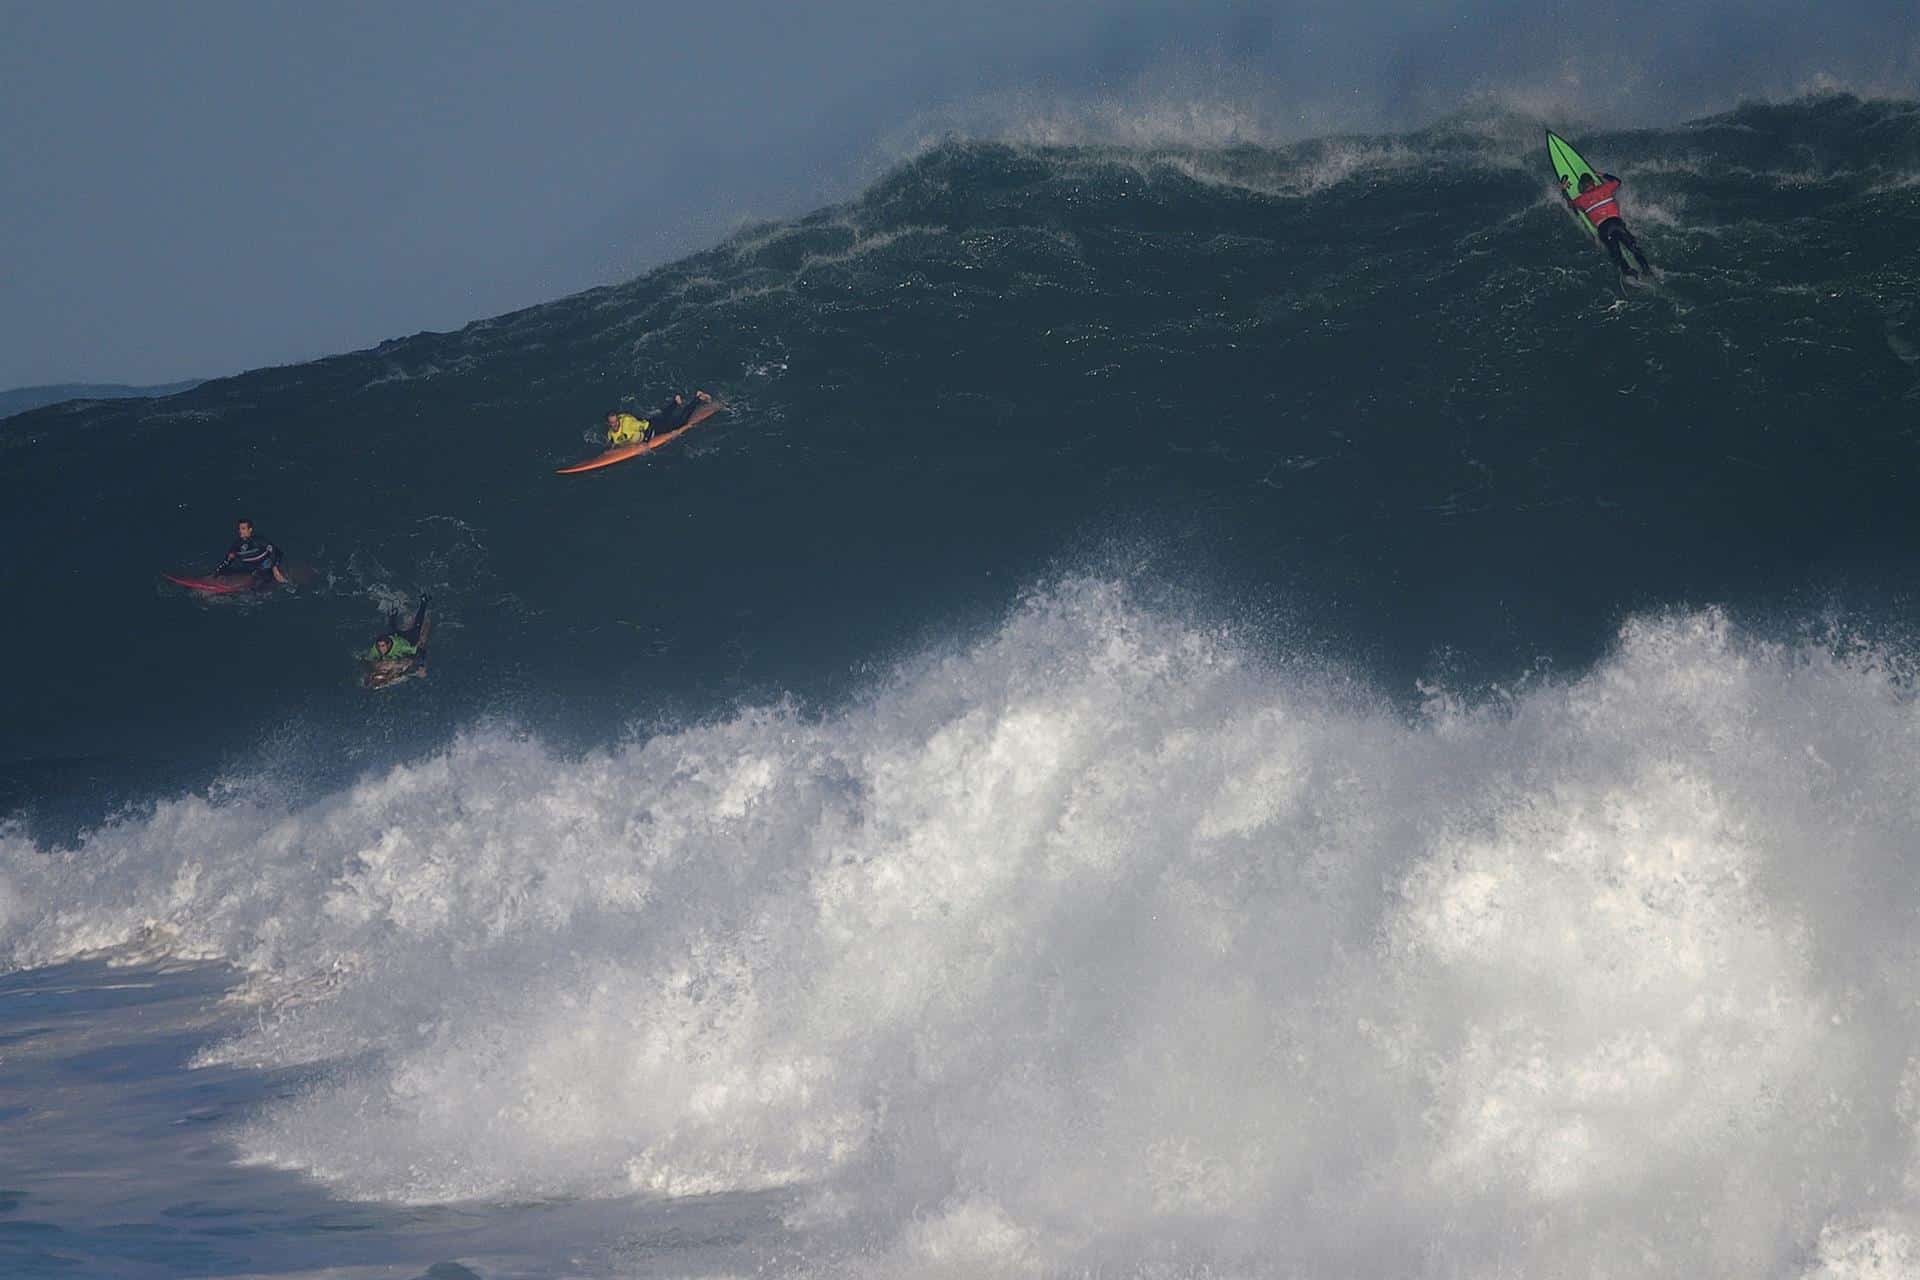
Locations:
(1587, 182)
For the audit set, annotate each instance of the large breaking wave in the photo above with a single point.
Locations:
(1384, 378)
(1112, 943)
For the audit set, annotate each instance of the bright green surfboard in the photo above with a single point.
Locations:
(1568, 164)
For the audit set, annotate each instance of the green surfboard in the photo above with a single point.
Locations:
(1568, 164)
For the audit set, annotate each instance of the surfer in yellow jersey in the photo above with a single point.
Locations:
(624, 428)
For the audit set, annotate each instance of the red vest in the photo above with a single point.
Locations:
(1599, 204)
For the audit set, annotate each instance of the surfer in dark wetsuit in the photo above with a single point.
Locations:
(399, 644)
(1597, 204)
(251, 555)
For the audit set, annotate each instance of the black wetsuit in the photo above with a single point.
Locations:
(671, 417)
(254, 555)
(1614, 235)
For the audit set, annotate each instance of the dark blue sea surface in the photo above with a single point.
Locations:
(1378, 384)
(1192, 696)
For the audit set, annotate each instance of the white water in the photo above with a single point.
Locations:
(1109, 945)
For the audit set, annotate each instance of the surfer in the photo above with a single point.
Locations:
(624, 428)
(251, 555)
(397, 644)
(1597, 204)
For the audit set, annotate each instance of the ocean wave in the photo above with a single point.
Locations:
(1111, 942)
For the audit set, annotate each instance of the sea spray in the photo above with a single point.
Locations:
(1111, 942)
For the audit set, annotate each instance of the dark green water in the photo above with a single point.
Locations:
(1375, 395)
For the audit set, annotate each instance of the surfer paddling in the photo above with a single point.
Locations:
(1597, 204)
(673, 413)
(400, 653)
(251, 555)
(399, 644)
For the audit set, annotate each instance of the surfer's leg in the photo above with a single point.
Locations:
(1610, 236)
(1634, 245)
(675, 418)
(412, 633)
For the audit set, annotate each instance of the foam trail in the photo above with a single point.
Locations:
(1105, 945)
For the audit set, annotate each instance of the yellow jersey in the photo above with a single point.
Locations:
(627, 429)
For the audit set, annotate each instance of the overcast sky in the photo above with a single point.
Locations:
(200, 188)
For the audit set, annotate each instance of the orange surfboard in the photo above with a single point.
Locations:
(626, 451)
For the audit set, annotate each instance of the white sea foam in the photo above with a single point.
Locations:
(1107, 945)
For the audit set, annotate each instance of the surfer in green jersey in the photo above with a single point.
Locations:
(399, 644)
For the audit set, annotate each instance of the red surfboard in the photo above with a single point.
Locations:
(626, 451)
(231, 584)
(238, 584)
